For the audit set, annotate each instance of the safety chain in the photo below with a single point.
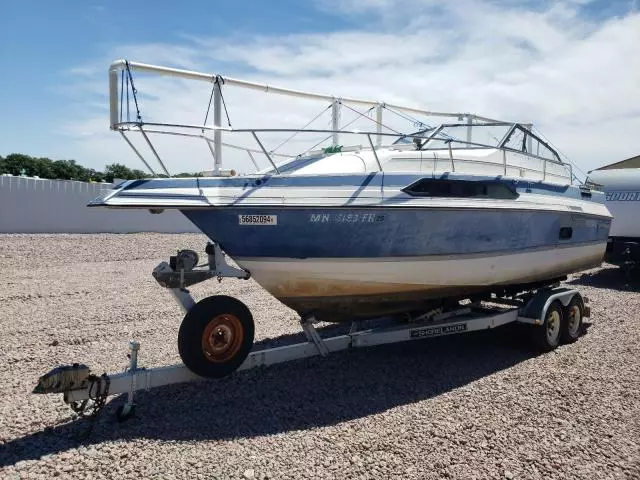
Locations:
(90, 407)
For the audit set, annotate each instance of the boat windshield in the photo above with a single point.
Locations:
(494, 135)
(458, 135)
(426, 133)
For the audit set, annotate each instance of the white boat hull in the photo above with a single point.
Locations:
(335, 285)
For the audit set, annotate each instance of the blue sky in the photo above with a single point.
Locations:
(571, 66)
(41, 42)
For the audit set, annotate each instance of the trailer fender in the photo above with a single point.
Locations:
(536, 309)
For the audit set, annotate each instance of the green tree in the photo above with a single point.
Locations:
(44, 167)
(94, 175)
(16, 162)
(68, 170)
(117, 170)
(139, 174)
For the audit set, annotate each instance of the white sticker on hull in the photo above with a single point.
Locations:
(258, 219)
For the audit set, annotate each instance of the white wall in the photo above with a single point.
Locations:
(31, 205)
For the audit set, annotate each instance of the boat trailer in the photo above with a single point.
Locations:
(554, 314)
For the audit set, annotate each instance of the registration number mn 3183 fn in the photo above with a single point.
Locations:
(258, 219)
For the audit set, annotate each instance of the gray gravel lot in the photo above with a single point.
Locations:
(480, 405)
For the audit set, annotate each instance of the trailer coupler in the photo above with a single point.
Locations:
(67, 378)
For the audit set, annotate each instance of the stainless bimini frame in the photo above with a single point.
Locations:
(120, 72)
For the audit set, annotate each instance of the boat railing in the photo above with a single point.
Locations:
(506, 163)
(524, 163)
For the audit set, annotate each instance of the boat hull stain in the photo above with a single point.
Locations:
(336, 290)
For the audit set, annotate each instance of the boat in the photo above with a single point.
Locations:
(446, 212)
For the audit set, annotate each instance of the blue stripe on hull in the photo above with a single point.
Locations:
(390, 232)
(383, 180)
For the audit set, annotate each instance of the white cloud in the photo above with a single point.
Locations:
(577, 79)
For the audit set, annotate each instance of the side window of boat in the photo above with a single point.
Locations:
(433, 187)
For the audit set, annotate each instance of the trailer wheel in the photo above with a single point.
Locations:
(572, 322)
(547, 335)
(216, 336)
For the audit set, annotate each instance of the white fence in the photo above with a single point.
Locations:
(32, 205)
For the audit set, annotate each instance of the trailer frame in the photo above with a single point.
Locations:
(79, 387)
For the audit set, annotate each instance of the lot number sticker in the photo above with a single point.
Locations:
(258, 219)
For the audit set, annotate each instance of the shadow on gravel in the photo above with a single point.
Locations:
(609, 277)
(295, 396)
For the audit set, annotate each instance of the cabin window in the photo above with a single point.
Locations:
(433, 187)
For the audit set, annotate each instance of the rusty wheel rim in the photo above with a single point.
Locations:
(222, 338)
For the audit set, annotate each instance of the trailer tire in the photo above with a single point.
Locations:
(216, 336)
(547, 335)
(572, 321)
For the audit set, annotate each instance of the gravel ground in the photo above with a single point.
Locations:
(481, 405)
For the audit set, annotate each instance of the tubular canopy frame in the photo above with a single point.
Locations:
(124, 69)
